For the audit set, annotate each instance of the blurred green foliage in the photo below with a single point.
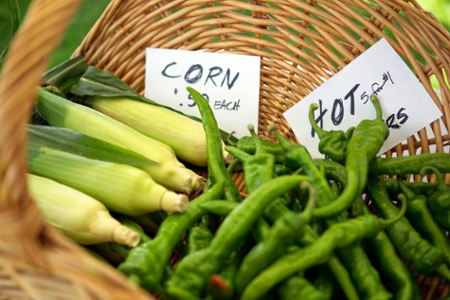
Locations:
(89, 12)
(79, 26)
(440, 8)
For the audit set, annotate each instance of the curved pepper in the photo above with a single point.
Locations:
(332, 143)
(298, 288)
(366, 278)
(192, 274)
(337, 235)
(406, 165)
(367, 140)
(283, 233)
(439, 202)
(277, 209)
(247, 144)
(427, 259)
(422, 220)
(216, 163)
(149, 260)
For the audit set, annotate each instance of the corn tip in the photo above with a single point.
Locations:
(125, 236)
(173, 202)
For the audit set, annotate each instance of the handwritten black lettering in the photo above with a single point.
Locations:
(364, 96)
(227, 78)
(390, 122)
(401, 116)
(376, 87)
(164, 72)
(337, 105)
(191, 76)
(351, 95)
(211, 74)
(387, 76)
(227, 105)
(395, 121)
(192, 104)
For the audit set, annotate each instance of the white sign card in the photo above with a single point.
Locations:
(230, 82)
(344, 99)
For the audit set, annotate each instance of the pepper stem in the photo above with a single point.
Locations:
(233, 165)
(387, 223)
(258, 144)
(273, 131)
(376, 104)
(229, 139)
(442, 187)
(405, 190)
(320, 132)
(237, 153)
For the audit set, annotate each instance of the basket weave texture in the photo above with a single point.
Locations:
(301, 44)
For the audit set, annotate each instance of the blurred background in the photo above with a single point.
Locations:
(91, 10)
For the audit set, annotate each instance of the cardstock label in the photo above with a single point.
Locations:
(229, 82)
(343, 100)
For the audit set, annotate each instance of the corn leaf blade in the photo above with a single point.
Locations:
(80, 144)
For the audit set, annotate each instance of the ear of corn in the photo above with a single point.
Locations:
(184, 135)
(169, 172)
(97, 84)
(121, 188)
(79, 216)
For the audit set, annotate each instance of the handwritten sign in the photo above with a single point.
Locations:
(343, 100)
(229, 82)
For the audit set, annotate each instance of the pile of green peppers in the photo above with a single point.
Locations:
(347, 227)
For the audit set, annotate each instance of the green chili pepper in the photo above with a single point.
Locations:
(277, 209)
(324, 282)
(193, 272)
(198, 237)
(332, 143)
(368, 138)
(148, 261)
(219, 207)
(366, 278)
(283, 234)
(223, 285)
(421, 188)
(427, 259)
(281, 169)
(336, 172)
(399, 279)
(298, 288)
(439, 201)
(410, 164)
(216, 163)
(337, 235)
(247, 144)
(297, 156)
(422, 220)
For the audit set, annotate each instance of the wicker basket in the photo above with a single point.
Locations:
(36, 262)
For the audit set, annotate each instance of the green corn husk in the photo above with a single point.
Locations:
(77, 215)
(121, 188)
(169, 172)
(185, 136)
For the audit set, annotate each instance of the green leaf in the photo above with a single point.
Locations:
(16, 20)
(67, 73)
(74, 142)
